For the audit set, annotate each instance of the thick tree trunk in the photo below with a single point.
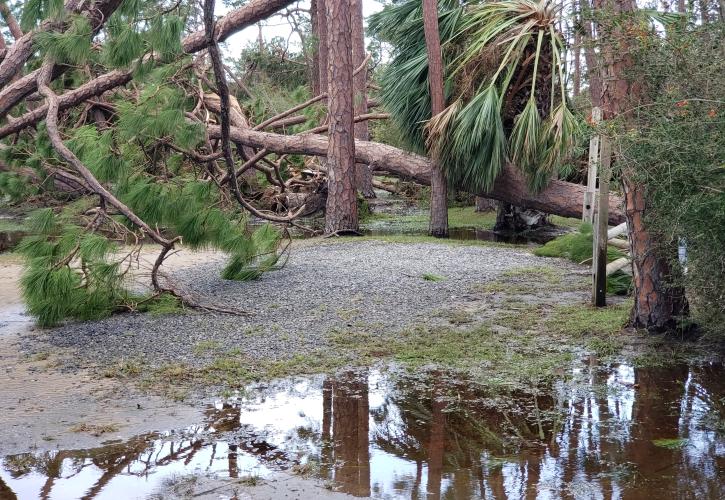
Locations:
(439, 188)
(559, 197)
(341, 208)
(657, 304)
(363, 174)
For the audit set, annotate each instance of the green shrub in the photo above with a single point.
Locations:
(577, 247)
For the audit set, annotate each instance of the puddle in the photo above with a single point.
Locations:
(618, 432)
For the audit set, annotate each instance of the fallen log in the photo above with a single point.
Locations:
(618, 264)
(559, 197)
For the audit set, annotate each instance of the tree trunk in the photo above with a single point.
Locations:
(439, 188)
(590, 56)
(322, 43)
(577, 51)
(558, 197)
(315, 70)
(363, 174)
(341, 208)
(657, 304)
(10, 20)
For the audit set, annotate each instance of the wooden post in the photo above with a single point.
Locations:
(589, 194)
(601, 227)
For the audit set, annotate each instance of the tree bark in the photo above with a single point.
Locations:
(322, 50)
(439, 188)
(657, 304)
(559, 197)
(10, 20)
(363, 174)
(590, 56)
(315, 70)
(341, 208)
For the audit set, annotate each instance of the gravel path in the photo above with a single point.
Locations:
(324, 287)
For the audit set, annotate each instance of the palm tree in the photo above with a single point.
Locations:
(505, 86)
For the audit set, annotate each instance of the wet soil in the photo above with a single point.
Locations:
(44, 407)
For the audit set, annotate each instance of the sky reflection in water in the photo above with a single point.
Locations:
(619, 432)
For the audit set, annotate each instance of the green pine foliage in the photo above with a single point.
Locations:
(72, 46)
(35, 11)
(69, 272)
(15, 187)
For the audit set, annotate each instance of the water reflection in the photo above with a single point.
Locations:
(383, 434)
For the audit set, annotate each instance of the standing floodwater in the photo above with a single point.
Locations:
(607, 432)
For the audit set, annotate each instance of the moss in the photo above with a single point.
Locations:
(417, 239)
(564, 221)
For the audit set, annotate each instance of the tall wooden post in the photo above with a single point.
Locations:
(599, 250)
(592, 168)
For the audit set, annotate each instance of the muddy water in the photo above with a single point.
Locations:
(608, 432)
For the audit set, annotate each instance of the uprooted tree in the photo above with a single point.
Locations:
(124, 108)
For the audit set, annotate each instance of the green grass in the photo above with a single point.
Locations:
(457, 217)
(411, 239)
(433, 277)
(580, 320)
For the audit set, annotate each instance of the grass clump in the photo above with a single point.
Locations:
(577, 247)
(580, 320)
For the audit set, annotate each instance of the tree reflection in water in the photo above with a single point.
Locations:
(430, 436)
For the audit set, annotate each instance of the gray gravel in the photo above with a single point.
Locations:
(328, 286)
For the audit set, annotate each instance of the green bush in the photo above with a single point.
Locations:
(677, 149)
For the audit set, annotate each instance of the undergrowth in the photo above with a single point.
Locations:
(577, 247)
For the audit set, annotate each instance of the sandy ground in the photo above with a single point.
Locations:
(40, 403)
